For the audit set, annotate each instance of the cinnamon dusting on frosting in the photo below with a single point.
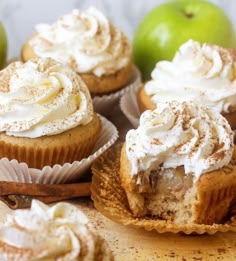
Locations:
(86, 41)
(180, 134)
(42, 97)
(197, 72)
(61, 232)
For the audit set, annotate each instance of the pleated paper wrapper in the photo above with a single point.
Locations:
(110, 199)
(129, 105)
(12, 170)
(104, 103)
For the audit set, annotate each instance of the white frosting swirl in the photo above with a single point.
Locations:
(180, 134)
(61, 232)
(86, 41)
(204, 73)
(42, 97)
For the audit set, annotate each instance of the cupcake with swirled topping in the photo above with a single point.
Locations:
(179, 165)
(90, 44)
(204, 73)
(61, 232)
(46, 114)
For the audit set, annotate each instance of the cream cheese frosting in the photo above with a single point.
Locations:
(61, 232)
(180, 134)
(197, 72)
(42, 97)
(86, 41)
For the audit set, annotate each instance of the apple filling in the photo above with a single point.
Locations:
(167, 194)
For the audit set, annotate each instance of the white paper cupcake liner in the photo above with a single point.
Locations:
(129, 105)
(12, 170)
(103, 104)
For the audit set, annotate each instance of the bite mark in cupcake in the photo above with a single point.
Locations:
(60, 232)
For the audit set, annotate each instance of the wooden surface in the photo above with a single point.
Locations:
(132, 244)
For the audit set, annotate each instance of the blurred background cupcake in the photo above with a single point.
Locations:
(203, 73)
(59, 232)
(90, 44)
(198, 72)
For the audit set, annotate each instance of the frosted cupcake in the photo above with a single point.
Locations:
(46, 114)
(90, 44)
(61, 232)
(203, 73)
(179, 165)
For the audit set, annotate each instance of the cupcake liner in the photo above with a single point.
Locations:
(110, 199)
(129, 105)
(12, 170)
(103, 104)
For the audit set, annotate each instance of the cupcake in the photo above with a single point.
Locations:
(204, 73)
(61, 232)
(179, 165)
(90, 44)
(46, 114)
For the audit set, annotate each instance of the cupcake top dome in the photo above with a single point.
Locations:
(87, 41)
(180, 134)
(61, 232)
(197, 72)
(42, 97)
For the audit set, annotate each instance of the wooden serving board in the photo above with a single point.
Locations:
(130, 244)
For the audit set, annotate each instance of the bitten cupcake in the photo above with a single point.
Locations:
(179, 165)
(61, 232)
(46, 114)
(203, 73)
(90, 44)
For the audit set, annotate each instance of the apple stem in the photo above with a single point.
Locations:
(189, 15)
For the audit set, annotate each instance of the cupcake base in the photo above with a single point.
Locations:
(71, 145)
(177, 197)
(107, 83)
(13, 171)
(145, 103)
(137, 101)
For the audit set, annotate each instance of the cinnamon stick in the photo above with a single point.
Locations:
(19, 195)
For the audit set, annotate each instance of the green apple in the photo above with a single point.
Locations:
(170, 24)
(3, 46)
